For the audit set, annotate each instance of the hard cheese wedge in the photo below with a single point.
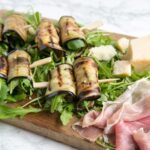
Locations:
(122, 68)
(139, 53)
(123, 44)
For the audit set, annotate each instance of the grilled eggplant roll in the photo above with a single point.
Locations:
(47, 38)
(86, 74)
(72, 37)
(3, 67)
(15, 31)
(62, 82)
(19, 62)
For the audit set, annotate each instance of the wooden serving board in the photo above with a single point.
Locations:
(48, 125)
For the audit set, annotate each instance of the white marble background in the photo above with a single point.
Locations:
(130, 17)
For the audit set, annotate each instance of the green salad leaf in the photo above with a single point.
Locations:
(56, 103)
(75, 44)
(3, 49)
(59, 104)
(33, 19)
(17, 97)
(104, 69)
(114, 89)
(67, 114)
(3, 90)
(19, 88)
(41, 72)
(105, 145)
(8, 112)
(98, 38)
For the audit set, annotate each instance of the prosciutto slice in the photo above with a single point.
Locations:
(125, 130)
(90, 133)
(128, 113)
(142, 138)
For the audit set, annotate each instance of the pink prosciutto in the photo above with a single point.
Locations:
(142, 138)
(129, 109)
(124, 132)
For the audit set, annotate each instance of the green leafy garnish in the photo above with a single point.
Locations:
(17, 97)
(75, 44)
(56, 103)
(67, 114)
(3, 49)
(114, 89)
(104, 69)
(41, 72)
(20, 87)
(105, 145)
(3, 90)
(33, 19)
(8, 112)
(59, 104)
(98, 38)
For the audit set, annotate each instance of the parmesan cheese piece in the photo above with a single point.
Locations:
(139, 53)
(122, 68)
(123, 44)
(103, 52)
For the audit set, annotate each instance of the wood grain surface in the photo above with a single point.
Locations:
(48, 125)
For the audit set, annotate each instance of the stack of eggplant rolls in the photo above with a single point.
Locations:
(74, 82)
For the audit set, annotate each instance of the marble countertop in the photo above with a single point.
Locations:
(131, 17)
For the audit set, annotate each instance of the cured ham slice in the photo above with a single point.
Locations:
(127, 114)
(90, 133)
(131, 102)
(125, 130)
(142, 139)
(130, 112)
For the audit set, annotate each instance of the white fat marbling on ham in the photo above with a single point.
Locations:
(142, 138)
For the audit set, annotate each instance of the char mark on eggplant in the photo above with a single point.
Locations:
(47, 38)
(19, 65)
(70, 31)
(3, 67)
(86, 74)
(15, 30)
(61, 81)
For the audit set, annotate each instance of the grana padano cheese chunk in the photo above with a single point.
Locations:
(139, 53)
(122, 68)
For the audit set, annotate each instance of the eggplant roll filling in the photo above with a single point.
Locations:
(71, 35)
(15, 30)
(86, 74)
(19, 62)
(47, 36)
(62, 81)
(3, 67)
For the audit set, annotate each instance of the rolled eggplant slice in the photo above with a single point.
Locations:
(47, 37)
(62, 81)
(19, 65)
(86, 74)
(15, 31)
(3, 67)
(71, 35)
